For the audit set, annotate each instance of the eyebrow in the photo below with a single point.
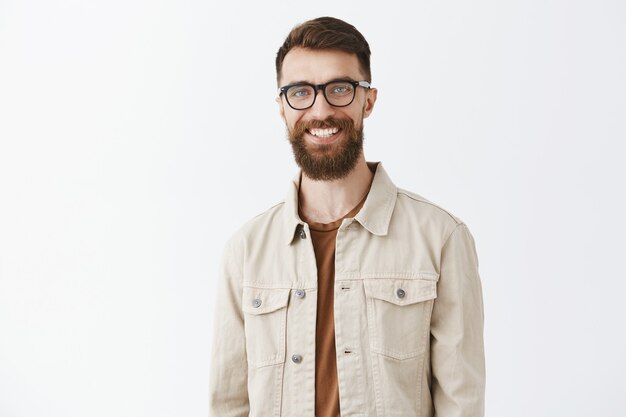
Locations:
(332, 79)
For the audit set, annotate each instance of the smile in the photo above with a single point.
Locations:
(323, 133)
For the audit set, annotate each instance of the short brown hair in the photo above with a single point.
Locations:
(327, 33)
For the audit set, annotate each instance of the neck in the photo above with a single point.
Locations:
(327, 201)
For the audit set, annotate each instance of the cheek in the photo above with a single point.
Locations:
(357, 116)
(291, 118)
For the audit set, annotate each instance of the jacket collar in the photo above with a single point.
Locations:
(374, 216)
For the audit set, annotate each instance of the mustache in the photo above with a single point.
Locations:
(329, 122)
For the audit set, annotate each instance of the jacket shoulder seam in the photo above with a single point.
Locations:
(420, 199)
(457, 227)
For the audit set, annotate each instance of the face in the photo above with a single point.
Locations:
(327, 141)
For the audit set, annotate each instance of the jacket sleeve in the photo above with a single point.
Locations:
(228, 392)
(457, 347)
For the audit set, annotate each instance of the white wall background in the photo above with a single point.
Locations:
(136, 136)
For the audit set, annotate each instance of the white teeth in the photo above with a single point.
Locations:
(324, 133)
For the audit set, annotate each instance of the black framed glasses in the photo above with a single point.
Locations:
(338, 93)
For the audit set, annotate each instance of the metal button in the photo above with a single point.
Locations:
(296, 358)
(302, 234)
(300, 293)
(256, 303)
(400, 293)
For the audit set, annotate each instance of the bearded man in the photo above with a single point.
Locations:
(352, 297)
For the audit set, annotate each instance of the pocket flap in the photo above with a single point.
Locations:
(400, 291)
(264, 300)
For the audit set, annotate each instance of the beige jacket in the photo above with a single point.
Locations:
(408, 313)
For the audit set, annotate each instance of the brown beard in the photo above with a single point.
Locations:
(327, 161)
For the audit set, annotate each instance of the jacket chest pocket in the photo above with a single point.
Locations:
(398, 312)
(265, 311)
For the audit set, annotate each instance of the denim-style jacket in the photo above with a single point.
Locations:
(408, 313)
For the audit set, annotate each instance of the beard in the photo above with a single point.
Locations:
(330, 161)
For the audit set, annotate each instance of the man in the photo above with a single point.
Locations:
(352, 297)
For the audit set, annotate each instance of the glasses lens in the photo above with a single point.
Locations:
(300, 96)
(339, 93)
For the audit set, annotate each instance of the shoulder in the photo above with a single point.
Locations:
(415, 211)
(413, 201)
(261, 224)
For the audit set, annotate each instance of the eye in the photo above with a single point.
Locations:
(299, 92)
(340, 89)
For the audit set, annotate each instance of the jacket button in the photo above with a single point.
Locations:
(296, 358)
(300, 293)
(256, 303)
(400, 293)
(302, 234)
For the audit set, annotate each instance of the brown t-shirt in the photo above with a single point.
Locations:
(323, 236)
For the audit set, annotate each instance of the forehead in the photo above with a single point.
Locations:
(319, 66)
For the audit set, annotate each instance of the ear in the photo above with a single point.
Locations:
(370, 100)
(281, 108)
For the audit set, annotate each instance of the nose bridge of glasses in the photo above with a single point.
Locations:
(319, 88)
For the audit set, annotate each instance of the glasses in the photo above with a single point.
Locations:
(338, 93)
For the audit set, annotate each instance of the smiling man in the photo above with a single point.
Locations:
(352, 297)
